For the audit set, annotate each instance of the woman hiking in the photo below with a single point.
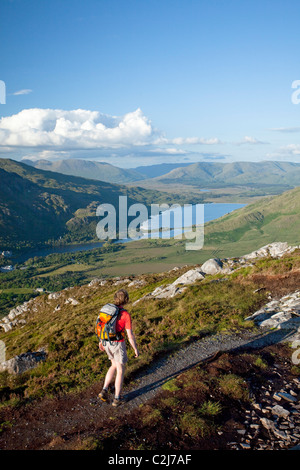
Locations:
(116, 350)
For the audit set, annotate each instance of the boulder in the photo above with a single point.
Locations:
(212, 266)
(280, 411)
(121, 281)
(54, 295)
(12, 314)
(271, 426)
(19, 364)
(6, 326)
(137, 283)
(162, 292)
(71, 301)
(97, 282)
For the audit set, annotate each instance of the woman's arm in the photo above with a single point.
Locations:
(132, 341)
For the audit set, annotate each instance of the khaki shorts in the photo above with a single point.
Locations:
(117, 351)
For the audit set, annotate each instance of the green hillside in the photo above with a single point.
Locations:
(37, 205)
(87, 169)
(271, 219)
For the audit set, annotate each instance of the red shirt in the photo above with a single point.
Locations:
(123, 322)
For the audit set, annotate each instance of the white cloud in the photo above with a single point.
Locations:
(194, 141)
(77, 129)
(189, 141)
(47, 133)
(292, 149)
(47, 155)
(250, 140)
(286, 129)
(22, 92)
(167, 151)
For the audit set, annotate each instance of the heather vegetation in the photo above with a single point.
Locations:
(218, 303)
(201, 409)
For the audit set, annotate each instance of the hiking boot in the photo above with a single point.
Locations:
(103, 395)
(117, 402)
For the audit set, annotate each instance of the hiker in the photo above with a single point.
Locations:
(116, 350)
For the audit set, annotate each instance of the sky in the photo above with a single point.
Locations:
(142, 82)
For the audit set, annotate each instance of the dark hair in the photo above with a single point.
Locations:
(121, 297)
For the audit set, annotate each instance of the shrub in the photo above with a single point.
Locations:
(170, 386)
(152, 417)
(261, 363)
(234, 387)
(194, 425)
(210, 408)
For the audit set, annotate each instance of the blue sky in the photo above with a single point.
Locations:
(144, 81)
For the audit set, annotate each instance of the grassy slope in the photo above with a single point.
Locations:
(88, 169)
(161, 326)
(271, 219)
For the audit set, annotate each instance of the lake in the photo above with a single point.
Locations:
(211, 212)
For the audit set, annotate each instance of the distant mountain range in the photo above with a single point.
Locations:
(202, 174)
(212, 174)
(103, 171)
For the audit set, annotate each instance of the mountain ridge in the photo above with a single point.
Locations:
(199, 173)
(88, 169)
(213, 174)
(38, 205)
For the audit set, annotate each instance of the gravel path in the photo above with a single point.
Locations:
(149, 382)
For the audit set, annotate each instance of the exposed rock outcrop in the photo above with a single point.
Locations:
(275, 250)
(23, 362)
(190, 277)
(282, 314)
